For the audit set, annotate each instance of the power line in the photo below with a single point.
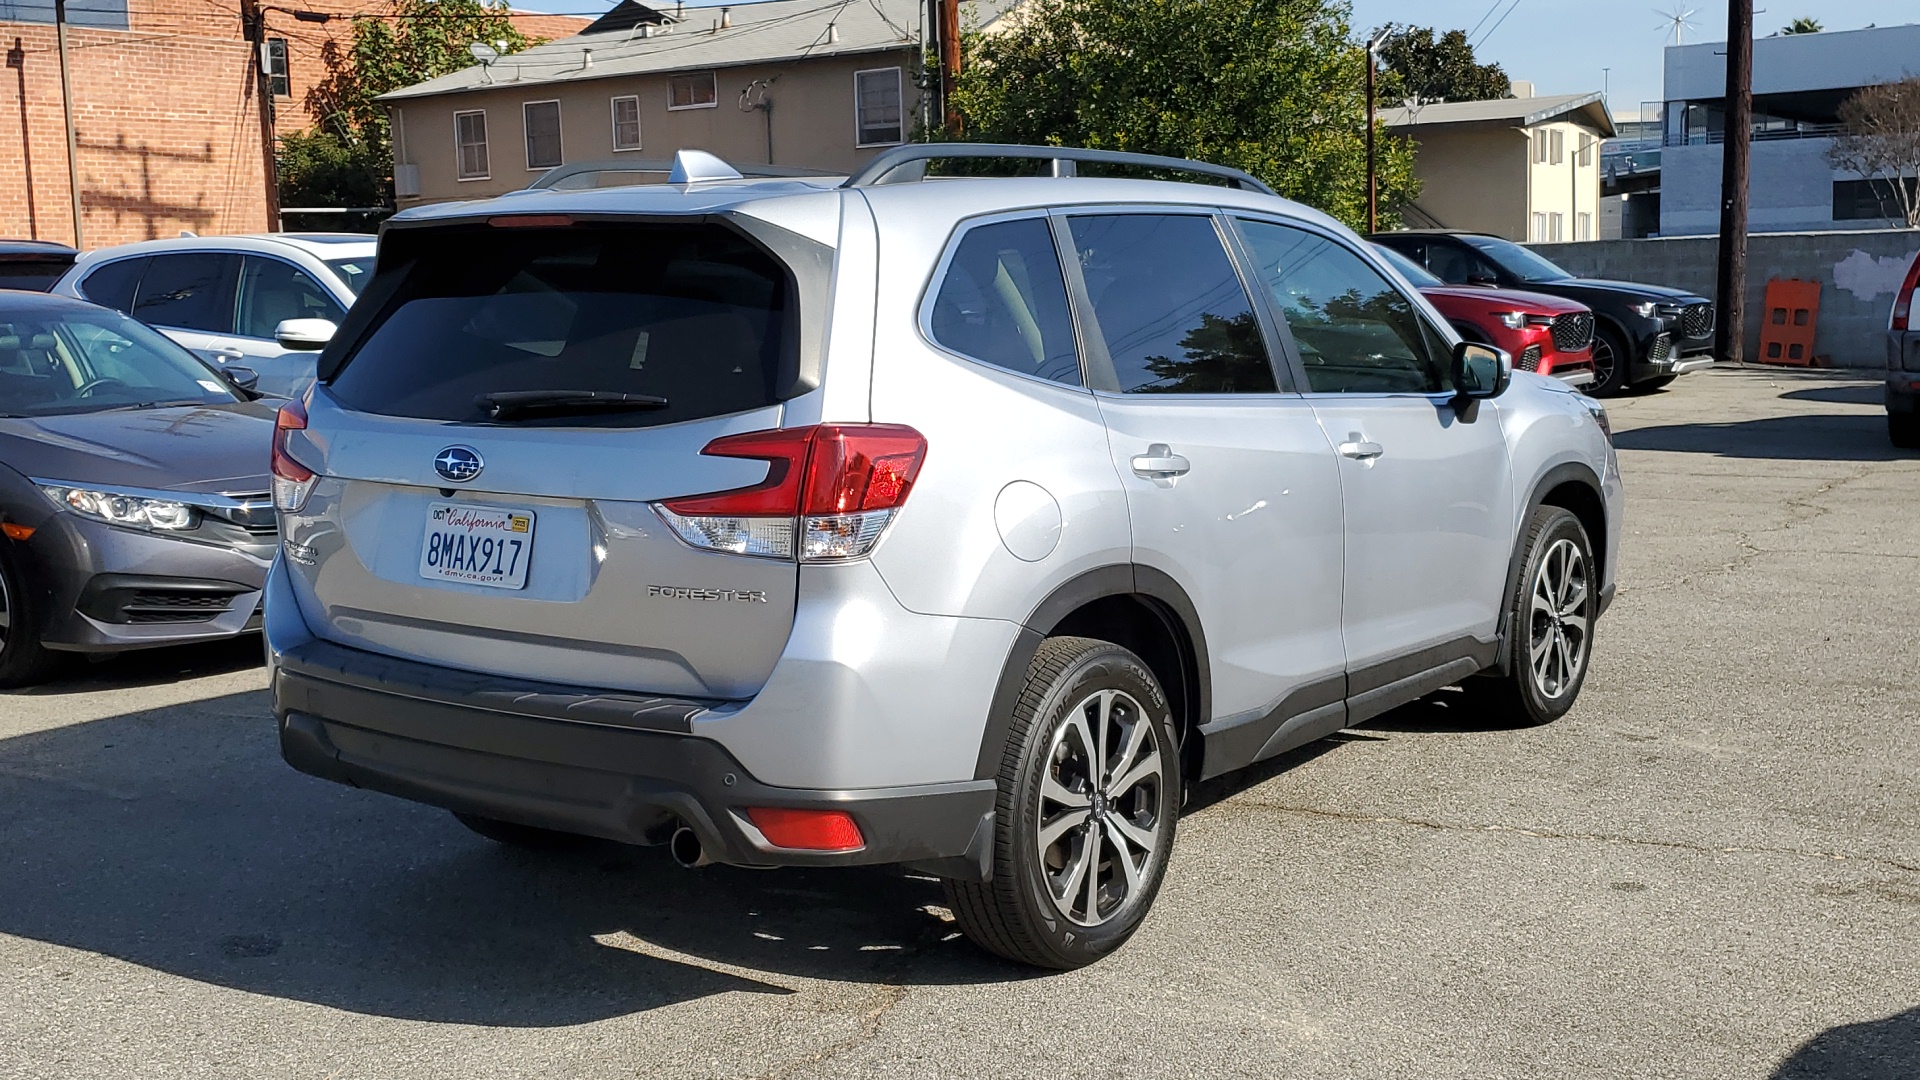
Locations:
(1496, 25)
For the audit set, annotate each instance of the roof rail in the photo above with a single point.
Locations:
(577, 175)
(907, 164)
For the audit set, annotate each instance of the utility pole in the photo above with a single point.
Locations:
(253, 26)
(1373, 183)
(66, 110)
(1731, 284)
(949, 61)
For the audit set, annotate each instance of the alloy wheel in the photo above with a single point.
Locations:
(1557, 643)
(1603, 360)
(1100, 824)
(6, 611)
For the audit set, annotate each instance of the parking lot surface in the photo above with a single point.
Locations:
(1710, 868)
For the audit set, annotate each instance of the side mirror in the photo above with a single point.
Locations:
(304, 335)
(243, 377)
(1482, 280)
(1480, 371)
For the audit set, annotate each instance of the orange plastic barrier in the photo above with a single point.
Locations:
(1786, 334)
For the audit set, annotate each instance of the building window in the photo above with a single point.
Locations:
(543, 133)
(470, 142)
(1555, 225)
(626, 123)
(275, 61)
(1586, 150)
(1539, 146)
(694, 91)
(876, 107)
(1583, 225)
(1870, 200)
(1557, 140)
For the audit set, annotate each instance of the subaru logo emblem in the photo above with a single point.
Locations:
(458, 464)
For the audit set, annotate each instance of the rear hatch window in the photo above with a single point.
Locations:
(694, 318)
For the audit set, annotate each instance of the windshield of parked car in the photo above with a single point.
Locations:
(354, 273)
(1416, 275)
(83, 360)
(1516, 260)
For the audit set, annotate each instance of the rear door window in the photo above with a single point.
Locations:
(112, 284)
(191, 291)
(696, 314)
(1170, 305)
(1003, 302)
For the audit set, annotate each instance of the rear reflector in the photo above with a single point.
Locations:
(807, 830)
(834, 487)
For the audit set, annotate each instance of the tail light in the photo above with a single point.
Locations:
(829, 492)
(292, 481)
(1903, 300)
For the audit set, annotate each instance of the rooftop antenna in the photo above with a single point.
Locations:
(1679, 20)
(485, 54)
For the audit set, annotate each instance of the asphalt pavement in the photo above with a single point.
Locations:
(1710, 868)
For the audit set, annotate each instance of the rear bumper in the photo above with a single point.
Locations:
(619, 766)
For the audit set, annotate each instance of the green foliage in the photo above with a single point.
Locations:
(350, 150)
(1803, 26)
(1444, 69)
(1274, 87)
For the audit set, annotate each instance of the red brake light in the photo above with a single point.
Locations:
(1903, 300)
(293, 417)
(824, 469)
(530, 221)
(807, 830)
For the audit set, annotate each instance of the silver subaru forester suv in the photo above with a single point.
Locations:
(959, 522)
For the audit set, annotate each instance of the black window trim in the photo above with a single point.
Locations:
(1097, 368)
(234, 270)
(930, 294)
(145, 258)
(1429, 315)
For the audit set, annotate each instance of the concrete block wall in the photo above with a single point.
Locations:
(1858, 273)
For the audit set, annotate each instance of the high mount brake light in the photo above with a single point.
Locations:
(292, 481)
(834, 487)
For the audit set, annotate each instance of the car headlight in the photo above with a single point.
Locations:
(1512, 320)
(1599, 413)
(1646, 310)
(119, 508)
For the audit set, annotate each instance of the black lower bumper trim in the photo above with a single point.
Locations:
(623, 784)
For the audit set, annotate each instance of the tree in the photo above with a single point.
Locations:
(1273, 87)
(349, 153)
(1443, 69)
(1880, 141)
(1803, 26)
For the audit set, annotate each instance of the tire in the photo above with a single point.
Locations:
(1050, 904)
(1549, 625)
(23, 660)
(1611, 361)
(514, 834)
(1903, 430)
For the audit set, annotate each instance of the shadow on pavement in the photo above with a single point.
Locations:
(149, 667)
(176, 839)
(1830, 437)
(1866, 394)
(1886, 1049)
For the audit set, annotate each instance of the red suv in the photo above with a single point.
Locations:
(1544, 334)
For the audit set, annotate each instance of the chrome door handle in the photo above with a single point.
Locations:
(227, 354)
(1361, 449)
(1160, 462)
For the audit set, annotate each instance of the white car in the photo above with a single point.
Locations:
(254, 302)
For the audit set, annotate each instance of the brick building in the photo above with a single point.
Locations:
(165, 112)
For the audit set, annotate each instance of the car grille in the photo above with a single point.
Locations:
(1573, 332)
(1662, 349)
(1696, 320)
(1529, 359)
(174, 607)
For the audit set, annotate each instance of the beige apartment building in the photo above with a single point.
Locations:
(792, 83)
(1526, 168)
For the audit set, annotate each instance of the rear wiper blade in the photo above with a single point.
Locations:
(507, 404)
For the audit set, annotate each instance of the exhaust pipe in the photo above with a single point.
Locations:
(686, 849)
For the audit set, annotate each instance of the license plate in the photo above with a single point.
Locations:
(478, 545)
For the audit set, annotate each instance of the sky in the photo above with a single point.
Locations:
(1563, 46)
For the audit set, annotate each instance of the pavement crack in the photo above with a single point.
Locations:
(1597, 838)
(1748, 549)
(890, 994)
